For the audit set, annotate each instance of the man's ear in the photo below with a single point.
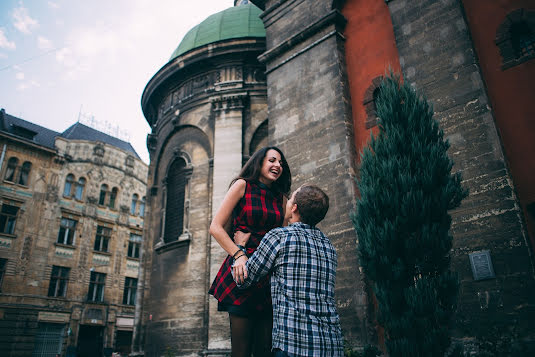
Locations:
(294, 208)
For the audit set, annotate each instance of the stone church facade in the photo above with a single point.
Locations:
(71, 226)
(306, 83)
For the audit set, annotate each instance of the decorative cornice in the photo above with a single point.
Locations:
(334, 17)
(234, 101)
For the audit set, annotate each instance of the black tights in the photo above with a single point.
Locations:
(250, 335)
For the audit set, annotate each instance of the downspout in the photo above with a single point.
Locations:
(2, 157)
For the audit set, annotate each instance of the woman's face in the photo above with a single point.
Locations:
(271, 167)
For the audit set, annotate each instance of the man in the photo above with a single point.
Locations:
(302, 263)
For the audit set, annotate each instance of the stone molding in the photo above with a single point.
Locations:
(229, 102)
(334, 17)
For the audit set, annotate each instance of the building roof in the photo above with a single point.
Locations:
(79, 131)
(45, 137)
(26, 130)
(235, 22)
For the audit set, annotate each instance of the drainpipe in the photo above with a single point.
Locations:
(2, 157)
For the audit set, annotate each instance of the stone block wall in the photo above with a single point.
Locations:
(437, 57)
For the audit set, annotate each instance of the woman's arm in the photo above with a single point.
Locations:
(223, 215)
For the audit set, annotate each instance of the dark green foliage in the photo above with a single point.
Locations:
(402, 222)
(369, 351)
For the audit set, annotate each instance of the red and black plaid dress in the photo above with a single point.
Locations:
(257, 212)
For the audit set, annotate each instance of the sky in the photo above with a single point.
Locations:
(67, 60)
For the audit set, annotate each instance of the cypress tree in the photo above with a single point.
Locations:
(402, 222)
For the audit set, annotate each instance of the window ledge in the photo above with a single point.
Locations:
(516, 61)
(182, 241)
(132, 258)
(65, 245)
(103, 253)
(7, 235)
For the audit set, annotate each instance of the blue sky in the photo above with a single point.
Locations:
(63, 58)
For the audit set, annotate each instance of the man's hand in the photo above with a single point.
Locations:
(239, 270)
(241, 238)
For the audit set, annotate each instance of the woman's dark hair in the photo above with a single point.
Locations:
(252, 168)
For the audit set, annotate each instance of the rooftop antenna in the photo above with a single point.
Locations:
(103, 126)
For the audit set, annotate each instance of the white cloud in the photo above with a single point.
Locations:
(4, 42)
(44, 43)
(22, 20)
(75, 65)
(64, 56)
(53, 5)
(3, 55)
(19, 76)
(28, 85)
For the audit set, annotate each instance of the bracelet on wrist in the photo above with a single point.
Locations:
(239, 256)
(235, 253)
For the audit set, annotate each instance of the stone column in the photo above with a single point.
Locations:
(228, 111)
(310, 120)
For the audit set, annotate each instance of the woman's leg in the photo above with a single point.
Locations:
(240, 335)
(262, 335)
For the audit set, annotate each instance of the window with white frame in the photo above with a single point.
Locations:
(11, 168)
(58, 281)
(133, 206)
(129, 293)
(67, 228)
(3, 265)
(97, 283)
(102, 239)
(142, 207)
(134, 245)
(25, 173)
(8, 218)
(79, 192)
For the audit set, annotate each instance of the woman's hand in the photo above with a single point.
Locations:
(241, 238)
(239, 269)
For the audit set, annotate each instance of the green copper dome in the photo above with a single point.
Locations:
(235, 22)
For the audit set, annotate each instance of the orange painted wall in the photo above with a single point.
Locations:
(370, 52)
(511, 92)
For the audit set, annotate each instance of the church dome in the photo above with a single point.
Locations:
(235, 22)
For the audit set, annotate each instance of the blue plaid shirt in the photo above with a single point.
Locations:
(302, 263)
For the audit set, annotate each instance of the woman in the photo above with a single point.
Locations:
(255, 202)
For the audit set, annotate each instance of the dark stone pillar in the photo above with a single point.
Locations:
(310, 120)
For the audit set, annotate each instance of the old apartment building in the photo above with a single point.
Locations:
(72, 206)
(302, 75)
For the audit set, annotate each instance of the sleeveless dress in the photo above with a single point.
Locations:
(258, 211)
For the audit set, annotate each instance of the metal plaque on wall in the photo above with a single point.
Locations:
(481, 265)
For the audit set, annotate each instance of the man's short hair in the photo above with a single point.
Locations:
(312, 204)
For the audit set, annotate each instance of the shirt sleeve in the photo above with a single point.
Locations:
(262, 260)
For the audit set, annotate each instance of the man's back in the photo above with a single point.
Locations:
(302, 263)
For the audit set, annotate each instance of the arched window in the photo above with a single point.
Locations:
(135, 197)
(11, 168)
(370, 97)
(69, 182)
(523, 39)
(174, 209)
(113, 197)
(25, 173)
(80, 188)
(142, 207)
(102, 196)
(515, 38)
